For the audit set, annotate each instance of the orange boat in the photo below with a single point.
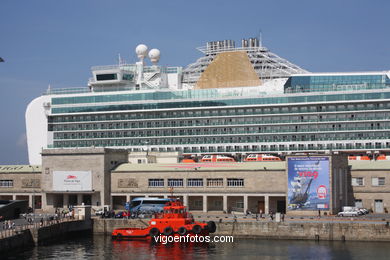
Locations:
(261, 157)
(175, 220)
(216, 158)
(359, 158)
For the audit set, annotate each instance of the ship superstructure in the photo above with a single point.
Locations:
(234, 101)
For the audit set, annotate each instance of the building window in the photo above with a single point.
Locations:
(378, 181)
(175, 182)
(240, 204)
(156, 182)
(6, 183)
(215, 182)
(359, 203)
(358, 181)
(195, 182)
(235, 182)
(198, 203)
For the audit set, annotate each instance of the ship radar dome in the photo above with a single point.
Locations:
(141, 51)
(154, 55)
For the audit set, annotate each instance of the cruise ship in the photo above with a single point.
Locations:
(234, 100)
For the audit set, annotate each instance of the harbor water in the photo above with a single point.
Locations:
(102, 247)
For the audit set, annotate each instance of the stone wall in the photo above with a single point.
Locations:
(274, 230)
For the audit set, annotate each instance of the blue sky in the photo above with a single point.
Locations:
(56, 42)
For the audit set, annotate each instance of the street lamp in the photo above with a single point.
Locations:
(33, 197)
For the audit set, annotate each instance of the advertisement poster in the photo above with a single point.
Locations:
(308, 183)
(72, 181)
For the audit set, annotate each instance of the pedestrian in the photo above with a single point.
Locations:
(13, 225)
(41, 222)
(261, 213)
(319, 213)
(282, 217)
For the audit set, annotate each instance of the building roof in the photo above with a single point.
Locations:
(247, 166)
(370, 165)
(20, 168)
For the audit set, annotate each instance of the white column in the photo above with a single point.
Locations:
(185, 200)
(204, 203)
(245, 203)
(166, 196)
(79, 199)
(266, 204)
(146, 196)
(14, 197)
(30, 201)
(225, 207)
(44, 201)
(127, 198)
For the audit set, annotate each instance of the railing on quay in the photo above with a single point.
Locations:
(10, 231)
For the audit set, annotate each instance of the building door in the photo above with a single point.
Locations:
(281, 206)
(87, 199)
(260, 206)
(378, 206)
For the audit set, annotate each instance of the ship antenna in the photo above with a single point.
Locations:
(260, 38)
(119, 59)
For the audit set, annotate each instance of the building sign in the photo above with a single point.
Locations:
(72, 181)
(127, 183)
(308, 183)
(31, 183)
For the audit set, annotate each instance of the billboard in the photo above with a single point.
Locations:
(308, 183)
(72, 181)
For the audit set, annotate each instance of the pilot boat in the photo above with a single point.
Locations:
(175, 220)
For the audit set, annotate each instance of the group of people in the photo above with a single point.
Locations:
(8, 224)
(261, 215)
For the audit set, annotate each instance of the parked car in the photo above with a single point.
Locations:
(121, 214)
(354, 213)
(364, 211)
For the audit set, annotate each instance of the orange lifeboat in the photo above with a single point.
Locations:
(261, 158)
(359, 158)
(216, 158)
(188, 160)
(175, 220)
(383, 157)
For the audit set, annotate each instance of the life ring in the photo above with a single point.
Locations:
(182, 231)
(154, 232)
(196, 229)
(168, 231)
(211, 226)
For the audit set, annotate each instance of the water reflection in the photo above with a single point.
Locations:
(102, 247)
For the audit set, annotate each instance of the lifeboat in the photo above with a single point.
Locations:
(188, 160)
(383, 157)
(175, 220)
(261, 158)
(359, 158)
(216, 158)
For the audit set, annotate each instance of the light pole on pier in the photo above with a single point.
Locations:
(33, 197)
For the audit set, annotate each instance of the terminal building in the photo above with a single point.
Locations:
(103, 176)
(234, 102)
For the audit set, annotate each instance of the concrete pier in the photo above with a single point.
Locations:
(348, 231)
(35, 235)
